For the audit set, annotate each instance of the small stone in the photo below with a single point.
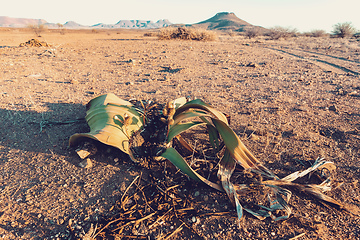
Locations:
(332, 108)
(251, 64)
(86, 149)
(82, 153)
(34, 75)
(193, 219)
(354, 93)
(60, 221)
(197, 193)
(86, 163)
(273, 234)
(206, 198)
(254, 137)
(74, 81)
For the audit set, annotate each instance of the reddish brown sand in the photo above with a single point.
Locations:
(290, 101)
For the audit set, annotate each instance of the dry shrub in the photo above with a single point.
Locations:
(251, 33)
(343, 30)
(37, 29)
(185, 33)
(277, 33)
(317, 33)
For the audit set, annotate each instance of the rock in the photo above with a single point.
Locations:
(86, 149)
(82, 153)
(254, 137)
(251, 64)
(332, 108)
(86, 163)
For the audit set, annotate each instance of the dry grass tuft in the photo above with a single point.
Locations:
(185, 33)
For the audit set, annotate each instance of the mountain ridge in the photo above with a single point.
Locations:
(224, 21)
(129, 24)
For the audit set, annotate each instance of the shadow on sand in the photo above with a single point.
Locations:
(37, 143)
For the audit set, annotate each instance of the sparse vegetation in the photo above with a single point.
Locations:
(148, 130)
(278, 32)
(343, 30)
(186, 33)
(61, 28)
(231, 33)
(37, 29)
(316, 33)
(251, 33)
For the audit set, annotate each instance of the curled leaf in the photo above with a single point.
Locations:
(112, 121)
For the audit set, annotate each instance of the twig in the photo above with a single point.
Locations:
(174, 232)
(298, 236)
(127, 189)
(160, 218)
(144, 197)
(135, 221)
(108, 224)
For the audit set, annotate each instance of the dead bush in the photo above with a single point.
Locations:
(278, 32)
(251, 33)
(186, 33)
(317, 33)
(37, 29)
(343, 30)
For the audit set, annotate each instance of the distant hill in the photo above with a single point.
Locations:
(72, 24)
(221, 21)
(142, 24)
(19, 22)
(129, 24)
(226, 21)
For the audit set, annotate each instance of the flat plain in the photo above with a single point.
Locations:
(290, 101)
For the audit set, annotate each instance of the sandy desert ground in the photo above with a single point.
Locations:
(290, 101)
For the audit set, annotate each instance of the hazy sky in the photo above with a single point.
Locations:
(305, 15)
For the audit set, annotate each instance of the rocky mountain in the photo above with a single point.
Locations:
(226, 21)
(142, 24)
(129, 24)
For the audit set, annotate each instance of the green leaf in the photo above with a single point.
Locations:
(105, 116)
(106, 99)
(189, 114)
(198, 104)
(175, 158)
(213, 136)
(181, 127)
